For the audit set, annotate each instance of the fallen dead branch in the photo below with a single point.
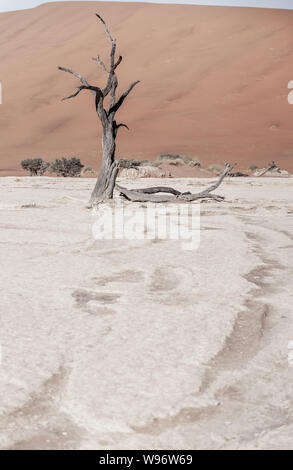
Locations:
(170, 194)
(272, 166)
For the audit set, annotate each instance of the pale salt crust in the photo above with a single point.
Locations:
(140, 344)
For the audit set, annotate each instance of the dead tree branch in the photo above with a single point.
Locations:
(77, 75)
(97, 59)
(271, 166)
(150, 194)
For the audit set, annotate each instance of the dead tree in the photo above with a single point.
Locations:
(106, 181)
(107, 176)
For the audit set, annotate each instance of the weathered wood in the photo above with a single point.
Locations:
(158, 189)
(101, 191)
(270, 167)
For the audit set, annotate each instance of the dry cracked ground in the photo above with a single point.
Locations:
(141, 344)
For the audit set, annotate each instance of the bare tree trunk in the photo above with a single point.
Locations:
(103, 190)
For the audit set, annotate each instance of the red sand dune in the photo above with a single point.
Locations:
(213, 82)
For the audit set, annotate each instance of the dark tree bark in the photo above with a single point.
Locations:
(109, 169)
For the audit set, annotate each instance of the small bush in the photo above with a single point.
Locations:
(35, 166)
(253, 167)
(193, 161)
(67, 167)
(149, 163)
(131, 162)
(178, 158)
(216, 168)
(127, 162)
(88, 171)
(168, 156)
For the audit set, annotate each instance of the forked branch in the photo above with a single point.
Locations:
(77, 75)
(119, 103)
(94, 89)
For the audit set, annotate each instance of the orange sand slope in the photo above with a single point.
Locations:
(213, 82)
